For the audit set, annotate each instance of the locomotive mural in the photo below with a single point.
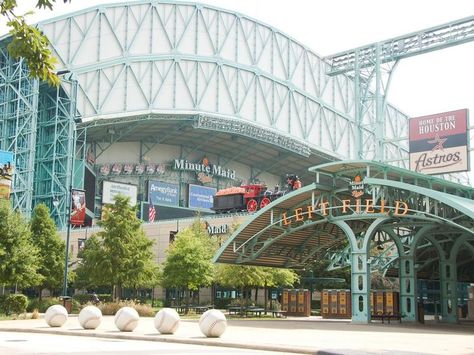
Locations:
(251, 197)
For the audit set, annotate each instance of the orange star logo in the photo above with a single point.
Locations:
(439, 143)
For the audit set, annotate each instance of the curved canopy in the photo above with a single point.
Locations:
(305, 225)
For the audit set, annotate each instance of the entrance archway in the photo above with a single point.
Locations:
(357, 201)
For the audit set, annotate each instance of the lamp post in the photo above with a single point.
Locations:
(68, 234)
(69, 195)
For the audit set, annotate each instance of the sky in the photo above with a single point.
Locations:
(426, 84)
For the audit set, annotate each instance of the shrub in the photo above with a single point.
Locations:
(15, 303)
(85, 298)
(105, 297)
(110, 308)
(35, 314)
(76, 306)
(42, 305)
(82, 299)
(315, 304)
(275, 305)
(244, 303)
(221, 303)
(2, 303)
(158, 303)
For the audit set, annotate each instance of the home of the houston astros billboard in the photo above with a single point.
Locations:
(291, 158)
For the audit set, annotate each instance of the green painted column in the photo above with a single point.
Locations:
(407, 288)
(448, 291)
(360, 287)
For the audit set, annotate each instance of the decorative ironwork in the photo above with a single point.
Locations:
(253, 131)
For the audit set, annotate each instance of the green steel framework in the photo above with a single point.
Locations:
(440, 220)
(18, 125)
(37, 122)
(337, 116)
(372, 67)
(235, 75)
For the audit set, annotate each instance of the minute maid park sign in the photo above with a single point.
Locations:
(205, 168)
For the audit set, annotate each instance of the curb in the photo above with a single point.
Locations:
(206, 342)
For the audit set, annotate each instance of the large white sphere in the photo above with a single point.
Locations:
(126, 319)
(56, 315)
(213, 323)
(90, 317)
(167, 321)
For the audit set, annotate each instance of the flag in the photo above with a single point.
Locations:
(151, 213)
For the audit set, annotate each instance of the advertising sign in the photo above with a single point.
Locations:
(6, 174)
(201, 196)
(78, 207)
(112, 189)
(163, 193)
(438, 143)
(204, 169)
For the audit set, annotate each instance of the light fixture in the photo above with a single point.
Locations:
(379, 243)
(55, 202)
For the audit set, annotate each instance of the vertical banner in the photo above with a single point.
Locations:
(6, 174)
(439, 143)
(78, 207)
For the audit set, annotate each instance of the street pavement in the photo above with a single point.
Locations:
(34, 344)
(311, 335)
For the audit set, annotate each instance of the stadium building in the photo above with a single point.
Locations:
(169, 102)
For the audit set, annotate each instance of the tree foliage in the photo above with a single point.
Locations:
(88, 275)
(120, 255)
(51, 248)
(240, 276)
(19, 259)
(189, 261)
(28, 42)
(277, 277)
(254, 276)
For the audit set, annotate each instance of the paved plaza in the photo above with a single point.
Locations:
(291, 335)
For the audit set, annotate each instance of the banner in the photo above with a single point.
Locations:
(438, 143)
(6, 174)
(112, 189)
(78, 207)
(163, 193)
(201, 196)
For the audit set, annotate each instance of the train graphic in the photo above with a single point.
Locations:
(251, 197)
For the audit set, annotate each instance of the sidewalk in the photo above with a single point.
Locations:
(292, 335)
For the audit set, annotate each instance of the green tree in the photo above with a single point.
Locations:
(88, 275)
(120, 255)
(19, 259)
(277, 277)
(28, 42)
(50, 247)
(189, 264)
(240, 276)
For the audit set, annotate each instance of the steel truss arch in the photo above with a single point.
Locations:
(271, 227)
(188, 57)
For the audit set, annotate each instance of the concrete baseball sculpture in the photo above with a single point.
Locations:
(56, 315)
(213, 323)
(167, 321)
(126, 319)
(90, 317)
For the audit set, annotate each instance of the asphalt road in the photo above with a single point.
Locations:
(33, 343)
